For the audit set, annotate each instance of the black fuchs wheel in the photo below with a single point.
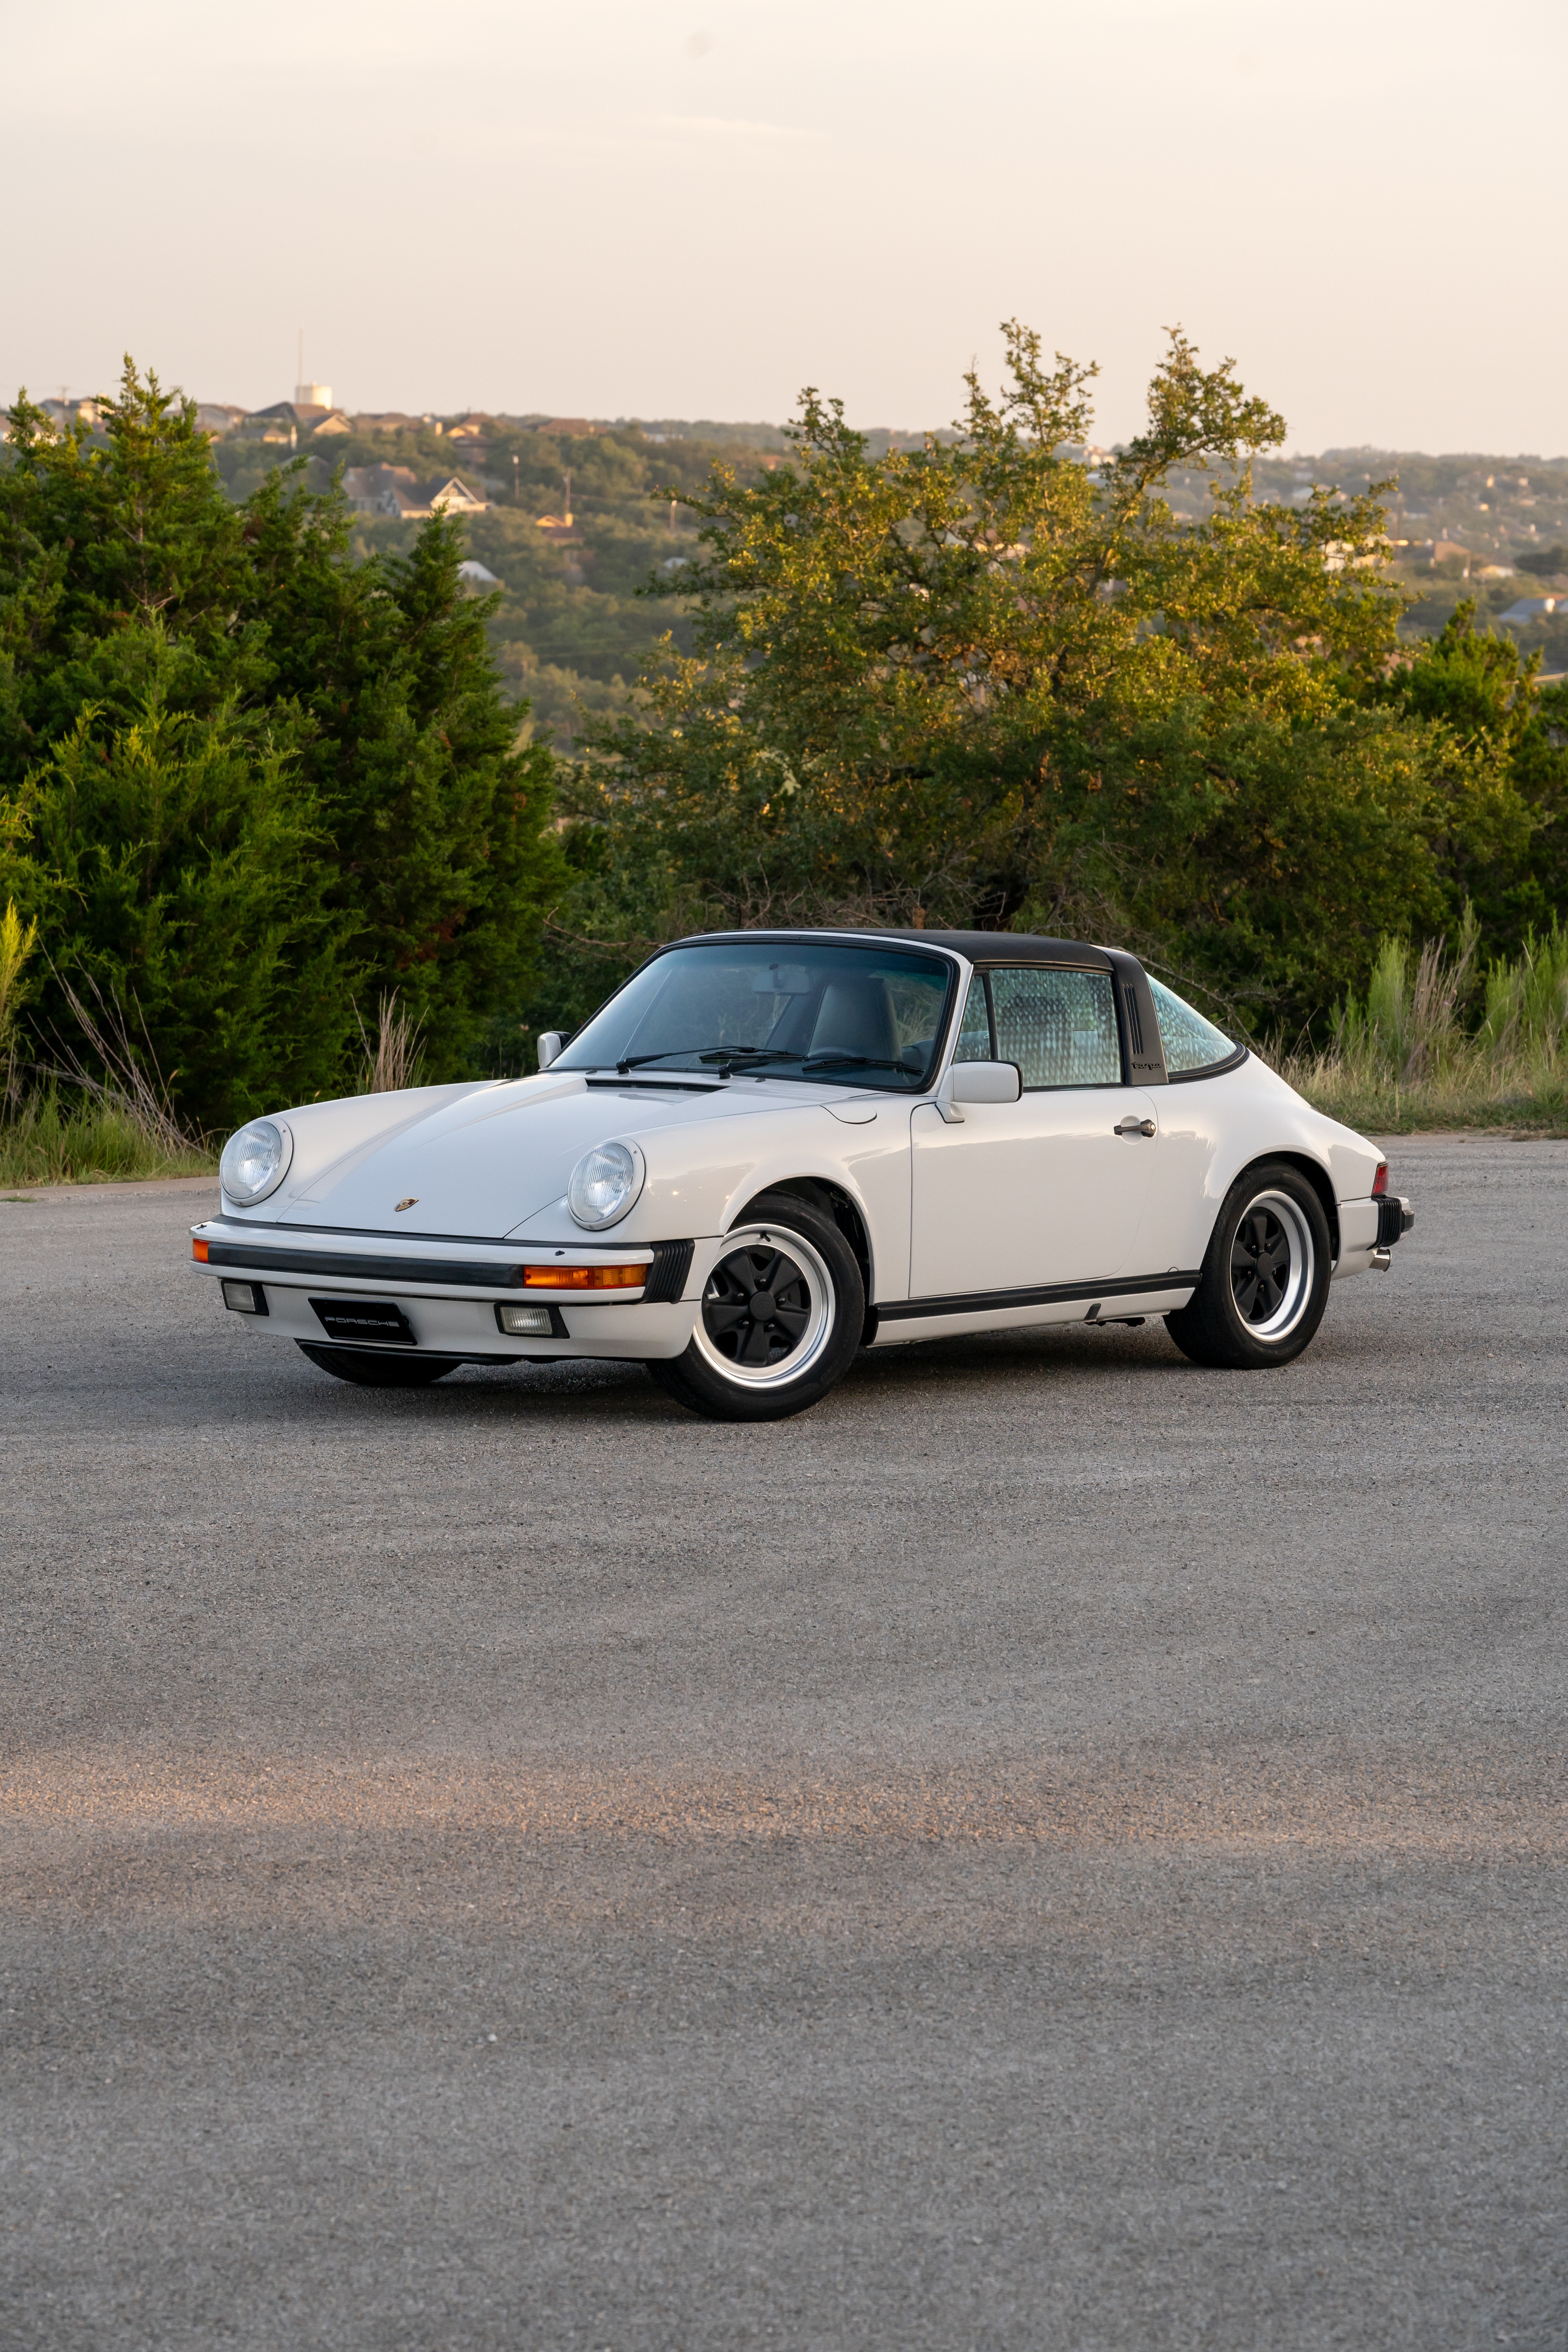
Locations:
(780, 1321)
(1266, 1275)
(377, 1367)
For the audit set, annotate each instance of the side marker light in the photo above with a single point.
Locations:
(199, 1252)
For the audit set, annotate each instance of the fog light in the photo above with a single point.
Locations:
(244, 1297)
(525, 1322)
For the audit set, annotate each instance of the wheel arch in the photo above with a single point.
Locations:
(829, 1200)
(1317, 1175)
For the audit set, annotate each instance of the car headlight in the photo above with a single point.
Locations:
(605, 1183)
(255, 1160)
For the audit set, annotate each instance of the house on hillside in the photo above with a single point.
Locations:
(1532, 608)
(396, 490)
(296, 418)
(216, 417)
(1446, 551)
(63, 414)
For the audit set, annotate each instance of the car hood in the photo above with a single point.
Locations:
(491, 1161)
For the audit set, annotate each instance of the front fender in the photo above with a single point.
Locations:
(701, 1176)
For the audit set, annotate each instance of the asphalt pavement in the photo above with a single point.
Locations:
(1055, 1848)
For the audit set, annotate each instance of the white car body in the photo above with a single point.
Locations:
(1070, 1203)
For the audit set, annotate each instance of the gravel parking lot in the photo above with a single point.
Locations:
(1054, 1848)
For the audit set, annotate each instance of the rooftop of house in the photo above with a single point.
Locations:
(398, 491)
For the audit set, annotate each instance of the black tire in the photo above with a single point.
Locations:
(380, 1368)
(785, 1291)
(1266, 1274)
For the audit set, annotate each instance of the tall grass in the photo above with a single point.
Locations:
(393, 1057)
(1435, 1042)
(100, 1115)
(47, 1138)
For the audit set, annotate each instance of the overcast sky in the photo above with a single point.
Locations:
(609, 208)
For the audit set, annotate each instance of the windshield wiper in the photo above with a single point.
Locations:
(857, 1062)
(751, 1054)
(640, 1061)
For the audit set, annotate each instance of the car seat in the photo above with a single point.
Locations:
(856, 1018)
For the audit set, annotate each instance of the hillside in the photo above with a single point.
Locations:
(572, 629)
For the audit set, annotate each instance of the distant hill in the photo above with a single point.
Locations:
(571, 631)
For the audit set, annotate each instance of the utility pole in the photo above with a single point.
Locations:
(516, 493)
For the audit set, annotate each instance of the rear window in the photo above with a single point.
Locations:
(1191, 1043)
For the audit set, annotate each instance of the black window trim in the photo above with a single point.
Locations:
(1233, 1061)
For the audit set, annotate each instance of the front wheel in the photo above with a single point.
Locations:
(1264, 1280)
(780, 1321)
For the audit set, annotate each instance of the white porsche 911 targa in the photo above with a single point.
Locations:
(771, 1148)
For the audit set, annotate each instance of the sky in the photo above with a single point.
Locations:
(627, 207)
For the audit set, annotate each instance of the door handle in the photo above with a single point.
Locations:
(1135, 1126)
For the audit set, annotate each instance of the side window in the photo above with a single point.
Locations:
(1191, 1043)
(1058, 1027)
(974, 1032)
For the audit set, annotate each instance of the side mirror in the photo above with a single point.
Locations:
(550, 1041)
(986, 1082)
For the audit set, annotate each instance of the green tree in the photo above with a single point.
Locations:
(245, 779)
(1499, 769)
(437, 813)
(183, 884)
(983, 682)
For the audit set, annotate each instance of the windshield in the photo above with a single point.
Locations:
(866, 1016)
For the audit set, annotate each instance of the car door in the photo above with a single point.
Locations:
(1051, 1188)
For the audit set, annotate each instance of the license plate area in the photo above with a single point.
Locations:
(370, 1322)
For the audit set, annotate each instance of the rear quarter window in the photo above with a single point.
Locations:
(1191, 1043)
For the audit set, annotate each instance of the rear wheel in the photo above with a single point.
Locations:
(371, 1367)
(1264, 1280)
(780, 1321)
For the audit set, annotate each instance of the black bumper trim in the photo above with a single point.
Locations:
(279, 1265)
(1394, 1217)
(1050, 1294)
(667, 1275)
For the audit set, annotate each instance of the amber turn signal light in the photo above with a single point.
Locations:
(199, 1252)
(584, 1277)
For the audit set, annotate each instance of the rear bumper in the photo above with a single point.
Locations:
(1368, 1232)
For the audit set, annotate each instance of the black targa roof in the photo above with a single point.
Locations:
(980, 947)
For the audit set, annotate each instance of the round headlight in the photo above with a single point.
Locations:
(255, 1160)
(605, 1183)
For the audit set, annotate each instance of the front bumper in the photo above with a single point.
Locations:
(451, 1293)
